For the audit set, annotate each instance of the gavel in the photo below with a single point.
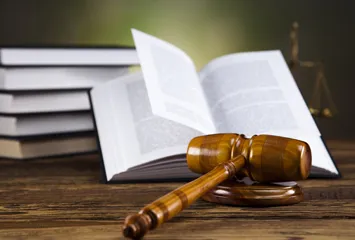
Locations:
(262, 158)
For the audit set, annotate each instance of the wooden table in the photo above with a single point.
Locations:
(63, 199)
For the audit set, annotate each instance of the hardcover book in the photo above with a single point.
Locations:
(20, 125)
(44, 146)
(56, 78)
(146, 120)
(43, 101)
(67, 56)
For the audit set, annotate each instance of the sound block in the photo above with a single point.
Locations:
(255, 194)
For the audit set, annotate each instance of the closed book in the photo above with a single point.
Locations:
(20, 125)
(56, 78)
(68, 56)
(23, 102)
(31, 147)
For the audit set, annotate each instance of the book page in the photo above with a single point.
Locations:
(173, 86)
(139, 135)
(255, 93)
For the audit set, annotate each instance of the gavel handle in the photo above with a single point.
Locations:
(166, 207)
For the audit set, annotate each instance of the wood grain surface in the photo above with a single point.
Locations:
(269, 158)
(63, 199)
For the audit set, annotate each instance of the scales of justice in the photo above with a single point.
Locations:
(321, 103)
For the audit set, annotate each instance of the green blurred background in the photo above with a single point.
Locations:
(204, 29)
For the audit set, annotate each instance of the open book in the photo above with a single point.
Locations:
(146, 120)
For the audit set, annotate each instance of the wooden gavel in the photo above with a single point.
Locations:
(263, 158)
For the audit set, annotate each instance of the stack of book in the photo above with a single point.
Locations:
(44, 101)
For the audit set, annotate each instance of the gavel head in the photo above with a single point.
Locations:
(268, 158)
